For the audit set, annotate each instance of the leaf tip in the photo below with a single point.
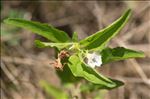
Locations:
(143, 54)
(117, 83)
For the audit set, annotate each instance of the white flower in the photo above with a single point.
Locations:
(93, 60)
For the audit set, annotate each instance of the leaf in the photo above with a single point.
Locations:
(79, 69)
(66, 76)
(98, 40)
(54, 91)
(89, 87)
(119, 53)
(75, 37)
(44, 30)
(60, 46)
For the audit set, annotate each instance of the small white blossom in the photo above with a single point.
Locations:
(93, 60)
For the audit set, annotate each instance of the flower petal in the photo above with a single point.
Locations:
(94, 59)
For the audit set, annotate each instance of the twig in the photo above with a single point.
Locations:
(9, 75)
(132, 79)
(25, 61)
(129, 34)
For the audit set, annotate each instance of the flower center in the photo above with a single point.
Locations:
(93, 60)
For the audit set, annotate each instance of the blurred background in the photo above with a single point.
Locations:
(23, 65)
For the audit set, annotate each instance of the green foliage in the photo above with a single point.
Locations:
(80, 69)
(44, 30)
(66, 76)
(100, 38)
(119, 53)
(75, 66)
(60, 46)
(53, 91)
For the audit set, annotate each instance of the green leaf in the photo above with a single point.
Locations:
(66, 76)
(75, 37)
(79, 69)
(119, 53)
(101, 38)
(60, 46)
(89, 87)
(54, 91)
(44, 30)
